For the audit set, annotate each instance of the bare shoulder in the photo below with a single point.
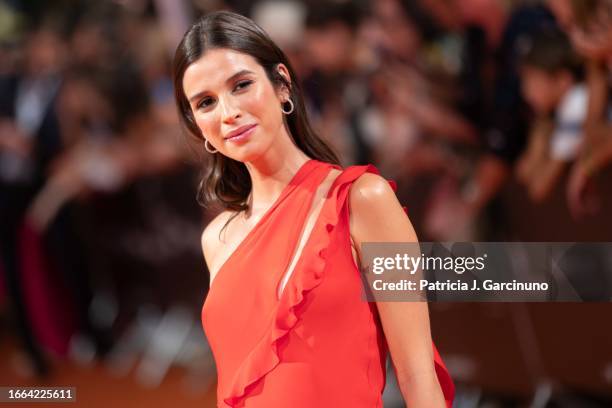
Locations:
(375, 212)
(210, 236)
(371, 190)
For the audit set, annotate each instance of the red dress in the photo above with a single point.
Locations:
(320, 345)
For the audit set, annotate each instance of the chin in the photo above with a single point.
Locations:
(246, 153)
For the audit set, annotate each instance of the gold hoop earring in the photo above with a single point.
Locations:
(290, 111)
(206, 147)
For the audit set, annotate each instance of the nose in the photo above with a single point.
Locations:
(229, 111)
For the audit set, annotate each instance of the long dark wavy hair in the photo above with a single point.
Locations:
(225, 181)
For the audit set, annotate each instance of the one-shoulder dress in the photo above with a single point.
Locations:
(320, 344)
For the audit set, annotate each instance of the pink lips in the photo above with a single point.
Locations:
(241, 133)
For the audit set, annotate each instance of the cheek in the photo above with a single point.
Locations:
(206, 123)
(265, 107)
(536, 95)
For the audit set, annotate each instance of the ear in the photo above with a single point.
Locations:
(284, 91)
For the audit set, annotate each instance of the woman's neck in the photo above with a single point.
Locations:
(270, 174)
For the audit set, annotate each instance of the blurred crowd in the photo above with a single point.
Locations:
(455, 100)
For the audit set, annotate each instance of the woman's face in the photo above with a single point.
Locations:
(234, 104)
(540, 89)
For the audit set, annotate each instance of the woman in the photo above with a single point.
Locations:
(284, 315)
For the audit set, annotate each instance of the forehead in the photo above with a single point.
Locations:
(532, 72)
(215, 67)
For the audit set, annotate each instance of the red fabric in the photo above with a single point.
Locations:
(46, 300)
(320, 344)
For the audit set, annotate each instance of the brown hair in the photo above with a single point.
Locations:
(226, 181)
(551, 51)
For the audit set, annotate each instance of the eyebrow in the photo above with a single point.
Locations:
(230, 79)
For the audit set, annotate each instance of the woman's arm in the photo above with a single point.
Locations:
(377, 216)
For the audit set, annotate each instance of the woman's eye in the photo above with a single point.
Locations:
(205, 103)
(242, 85)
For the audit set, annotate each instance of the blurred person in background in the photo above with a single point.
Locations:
(29, 140)
(238, 94)
(504, 130)
(591, 34)
(406, 118)
(334, 83)
(551, 80)
(394, 86)
(102, 101)
(49, 219)
(100, 208)
(122, 176)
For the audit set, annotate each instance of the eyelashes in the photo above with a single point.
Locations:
(243, 84)
(205, 102)
(240, 86)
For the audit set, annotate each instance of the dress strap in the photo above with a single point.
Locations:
(346, 179)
